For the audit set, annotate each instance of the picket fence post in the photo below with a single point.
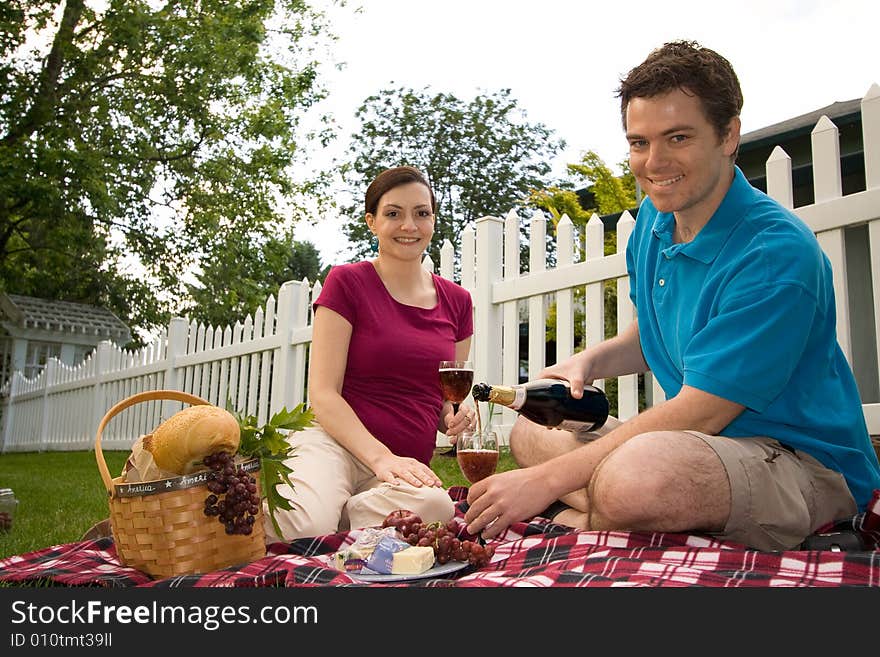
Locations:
(487, 325)
(48, 380)
(870, 107)
(628, 385)
(537, 315)
(510, 314)
(282, 373)
(594, 294)
(178, 330)
(827, 186)
(871, 139)
(101, 364)
(447, 260)
(565, 315)
(9, 411)
(778, 168)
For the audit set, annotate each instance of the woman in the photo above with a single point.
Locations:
(380, 329)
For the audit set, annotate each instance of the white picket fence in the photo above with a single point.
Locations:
(260, 364)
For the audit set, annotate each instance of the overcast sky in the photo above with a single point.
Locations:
(563, 59)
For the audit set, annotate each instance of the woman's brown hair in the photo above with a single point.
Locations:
(391, 178)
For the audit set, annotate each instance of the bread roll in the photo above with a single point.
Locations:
(181, 442)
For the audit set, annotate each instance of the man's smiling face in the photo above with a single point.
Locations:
(677, 156)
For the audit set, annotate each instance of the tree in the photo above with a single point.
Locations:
(142, 131)
(230, 288)
(610, 194)
(481, 157)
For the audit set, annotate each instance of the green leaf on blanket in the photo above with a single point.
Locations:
(269, 443)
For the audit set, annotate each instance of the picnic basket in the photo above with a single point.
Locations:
(159, 527)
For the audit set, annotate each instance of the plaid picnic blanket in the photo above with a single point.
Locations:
(538, 553)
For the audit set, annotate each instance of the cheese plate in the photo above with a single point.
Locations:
(436, 571)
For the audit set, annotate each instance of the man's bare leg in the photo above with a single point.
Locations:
(531, 444)
(664, 481)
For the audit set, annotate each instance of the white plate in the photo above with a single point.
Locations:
(436, 571)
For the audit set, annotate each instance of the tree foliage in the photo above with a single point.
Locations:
(610, 194)
(234, 286)
(481, 156)
(146, 132)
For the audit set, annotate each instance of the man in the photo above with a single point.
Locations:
(762, 438)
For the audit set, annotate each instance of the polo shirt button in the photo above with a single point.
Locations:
(661, 282)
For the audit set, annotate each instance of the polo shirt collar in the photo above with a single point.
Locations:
(708, 242)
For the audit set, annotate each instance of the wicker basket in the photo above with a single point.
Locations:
(159, 527)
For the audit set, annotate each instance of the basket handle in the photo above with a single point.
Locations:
(150, 395)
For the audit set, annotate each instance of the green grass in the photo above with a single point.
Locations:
(60, 494)
(449, 473)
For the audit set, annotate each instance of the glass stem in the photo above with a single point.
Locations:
(452, 451)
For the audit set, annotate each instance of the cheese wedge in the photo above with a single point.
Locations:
(413, 560)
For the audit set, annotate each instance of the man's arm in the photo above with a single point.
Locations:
(616, 356)
(518, 494)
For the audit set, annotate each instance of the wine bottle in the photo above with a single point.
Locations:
(549, 402)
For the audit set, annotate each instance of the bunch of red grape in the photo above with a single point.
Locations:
(447, 546)
(240, 504)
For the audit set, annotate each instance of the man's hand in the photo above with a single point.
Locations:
(565, 372)
(505, 498)
(616, 356)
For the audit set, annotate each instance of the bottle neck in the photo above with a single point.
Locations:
(504, 395)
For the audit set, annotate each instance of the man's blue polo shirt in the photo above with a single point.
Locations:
(746, 311)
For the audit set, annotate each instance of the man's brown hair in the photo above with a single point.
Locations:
(695, 70)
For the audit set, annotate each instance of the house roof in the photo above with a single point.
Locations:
(33, 313)
(803, 123)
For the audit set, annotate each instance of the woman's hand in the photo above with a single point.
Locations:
(395, 469)
(464, 420)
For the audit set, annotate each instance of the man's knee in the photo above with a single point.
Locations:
(663, 480)
(629, 484)
(522, 441)
(616, 495)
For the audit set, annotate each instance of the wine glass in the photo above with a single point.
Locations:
(477, 454)
(456, 379)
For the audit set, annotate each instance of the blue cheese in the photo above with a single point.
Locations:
(413, 560)
(381, 560)
(350, 559)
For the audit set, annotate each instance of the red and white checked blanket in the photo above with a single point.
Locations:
(534, 554)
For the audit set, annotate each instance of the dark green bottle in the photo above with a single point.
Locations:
(549, 402)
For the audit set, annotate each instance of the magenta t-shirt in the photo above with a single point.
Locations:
(391, 377)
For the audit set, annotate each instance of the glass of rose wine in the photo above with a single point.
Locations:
(477, 454)
(456, 379)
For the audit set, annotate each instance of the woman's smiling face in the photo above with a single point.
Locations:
(404, 221)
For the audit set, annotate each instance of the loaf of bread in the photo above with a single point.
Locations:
(181, 442)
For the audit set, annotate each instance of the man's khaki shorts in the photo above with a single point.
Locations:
(779, 495)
